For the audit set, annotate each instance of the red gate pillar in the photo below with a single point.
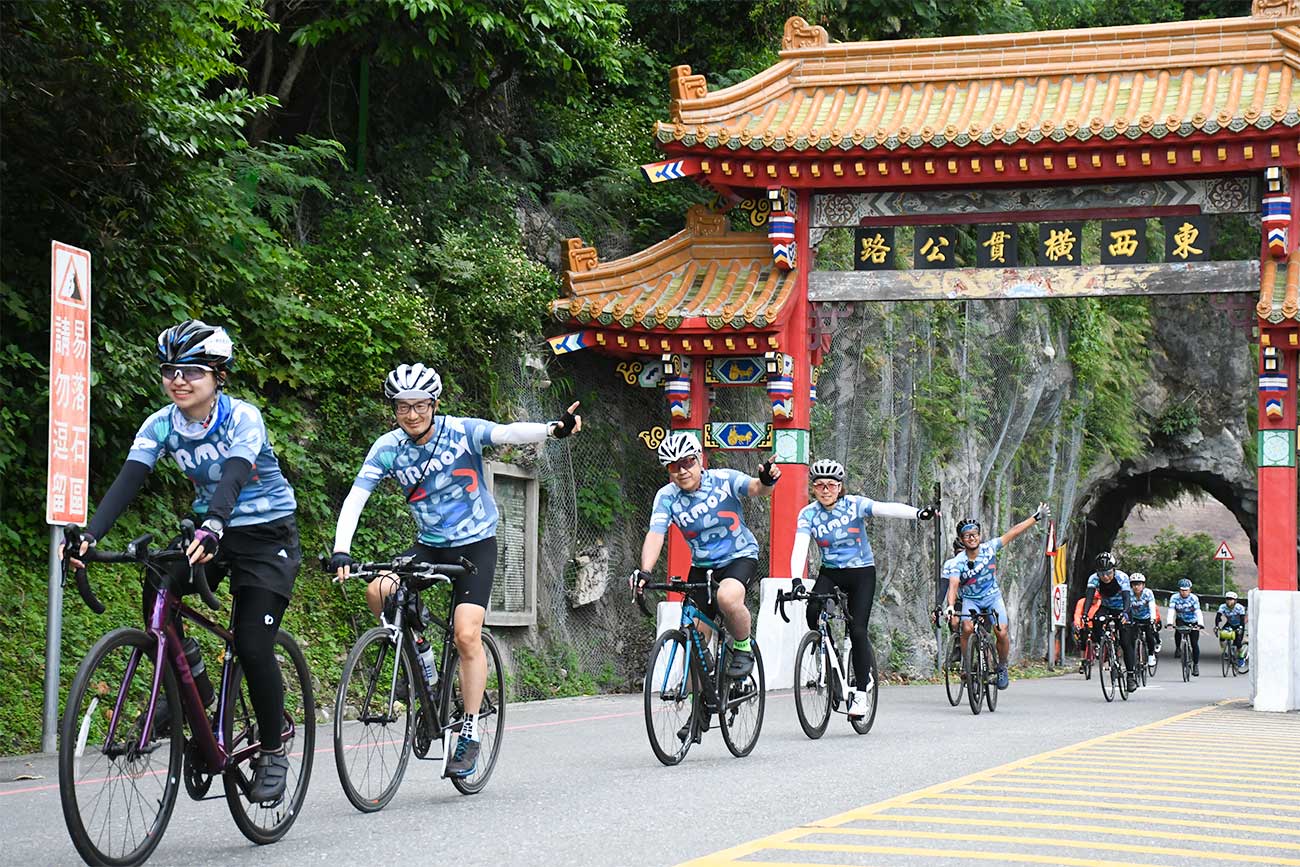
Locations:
(1277, 463)
(791, 493)
(679, 553)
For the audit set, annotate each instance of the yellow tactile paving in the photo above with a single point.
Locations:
(1074, 806)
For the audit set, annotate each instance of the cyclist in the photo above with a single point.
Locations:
(1112, 586)
(974, 572)
(1233, 616)
(1185, 610)
(1144, 614)
(437, 460)
(705, 506)
(245, 508)
(1080, 621)
(837, 523)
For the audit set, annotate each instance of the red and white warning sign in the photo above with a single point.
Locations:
(1224, 553)
(68, 468)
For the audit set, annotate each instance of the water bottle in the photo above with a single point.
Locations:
(194, 656)
(425, 652)
(708, 659)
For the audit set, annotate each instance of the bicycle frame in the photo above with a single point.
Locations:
(404, 637)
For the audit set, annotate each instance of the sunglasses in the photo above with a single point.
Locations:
(413, 408)
(825, 484)
(187, 372)
(683, 465)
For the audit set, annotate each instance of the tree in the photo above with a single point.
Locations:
(1172, 556)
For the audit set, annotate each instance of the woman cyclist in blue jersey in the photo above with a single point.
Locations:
(1185, 611)
(246, 509)
(1232, 615)
(836, 522)
(438, 462)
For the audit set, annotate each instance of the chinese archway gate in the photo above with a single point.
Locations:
(1170, 121)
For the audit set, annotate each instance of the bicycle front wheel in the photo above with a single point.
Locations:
(1088, 651)
(863, 724)
(974, 674)
(670, 698)
(491, 715)
(373, 723)
(1225, 661)
(990, 673)
(118, 795)
(741, 716)
(953, 681)
(812, 694)
(1185, 655)
(267, 822)
(1105, 660)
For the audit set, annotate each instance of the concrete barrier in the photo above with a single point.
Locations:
(1274, 632)
(777, 638)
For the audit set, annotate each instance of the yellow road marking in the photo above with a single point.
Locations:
(1090, 829)
(1000, 857)
(1071, 765)
(1046, 789)
(1163, 756)
(1272, 744)
(1142, 785)
(1107, 805)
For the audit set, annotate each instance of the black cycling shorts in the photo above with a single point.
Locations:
(256, 555)
(476, 589)
(744, 570)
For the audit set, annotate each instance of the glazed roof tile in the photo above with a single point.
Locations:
(1279, 296)
(1136, 82)
(705, 276)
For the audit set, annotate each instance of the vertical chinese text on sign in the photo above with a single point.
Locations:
(67, 475)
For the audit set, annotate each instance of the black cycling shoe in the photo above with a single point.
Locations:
(270, 773)
(1196, 669)
(741, 664)
(464, 759)
(1131, 682)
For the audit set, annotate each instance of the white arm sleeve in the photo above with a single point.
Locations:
(348, 517)
(1152, 606)
(1172, 616)
(1200, 617)
(894, 510)
(799, 555)
(520, 433)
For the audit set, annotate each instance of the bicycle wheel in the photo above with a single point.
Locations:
(953, 681)
(741, 717)
(974, 673)
(1185, 655)
(990, 673)
(1243, 659)
(670, 698)
(1118, 672)
(812, 693)
(117, 796)
(267, 822)
(1153, 659)
(863, 724)
(1105, 658)
(1139, 662)
(373, 731)
(1089, 651)
(491, 715)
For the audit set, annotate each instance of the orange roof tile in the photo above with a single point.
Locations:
(1279, 295)
(704, 276)
(1146, 81)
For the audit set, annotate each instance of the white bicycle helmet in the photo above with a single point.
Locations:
(1231, 594)
(678, 445)
(1137, 578)
(826, 469)
(412, 381)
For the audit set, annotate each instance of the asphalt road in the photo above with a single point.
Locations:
(578, 785)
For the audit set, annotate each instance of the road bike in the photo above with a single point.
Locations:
(1089, 655)
(981, 661)
(686, 682)
(1232, 660)
(1110, 662)
(824, 674)
(123, 751)
(1182, 636)
(375, 730)
(1141, 658)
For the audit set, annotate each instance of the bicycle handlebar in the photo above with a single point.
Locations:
(404, 567)
(801, 593)
(672, 586)
(136, 552)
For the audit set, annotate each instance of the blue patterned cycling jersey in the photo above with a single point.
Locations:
(710, 517)
(442, 479)
(978, 577)
(1111, 592)
(237, 431)
(1141, 607)
(840, 531)
(1185, 609)
(1234, 616)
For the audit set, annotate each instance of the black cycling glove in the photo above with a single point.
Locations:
(765, 474)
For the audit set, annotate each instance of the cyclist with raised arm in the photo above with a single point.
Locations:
(1144, 614)
(1232, 614)
(705, 506)
(1185, 611)
(437, 460)
(973, 574)
(245, 511)
(1116, 594)
(836, 522)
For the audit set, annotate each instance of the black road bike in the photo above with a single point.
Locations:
(1182, 637)
(824, 675)
(981, 662)
(1110, 662)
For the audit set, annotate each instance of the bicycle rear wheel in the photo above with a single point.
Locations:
(267, 822)
(1089, 650)
(953, 681)
(1121, 677)
(670, 698)
(372, 729)
(863, 724)
(117, 797)
(741, 716)
(1105, 659)
(1225, 660)
(974, 666)
(491, 716)
(812, 693)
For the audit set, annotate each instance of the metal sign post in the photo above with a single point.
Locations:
(67, 474)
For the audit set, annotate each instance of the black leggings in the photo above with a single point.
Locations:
(860, 585)
(1195, 636)
(1124, 634)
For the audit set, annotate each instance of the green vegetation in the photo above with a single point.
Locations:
(1172, 556)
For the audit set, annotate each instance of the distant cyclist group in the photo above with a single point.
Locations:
(137, 689)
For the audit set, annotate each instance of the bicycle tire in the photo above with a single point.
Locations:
(1087, 659)
(1139, 659)
(241, 730)
(952, 673)
(745, 698)
(812, 694)
(974, 676)
(1119, 673)
(670, 698)
(1243, 663)
(491, 717)
(361, 705)
(990, 673)
(1105, 656)
(1185, 655)
(81, 722)
(863, 724)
